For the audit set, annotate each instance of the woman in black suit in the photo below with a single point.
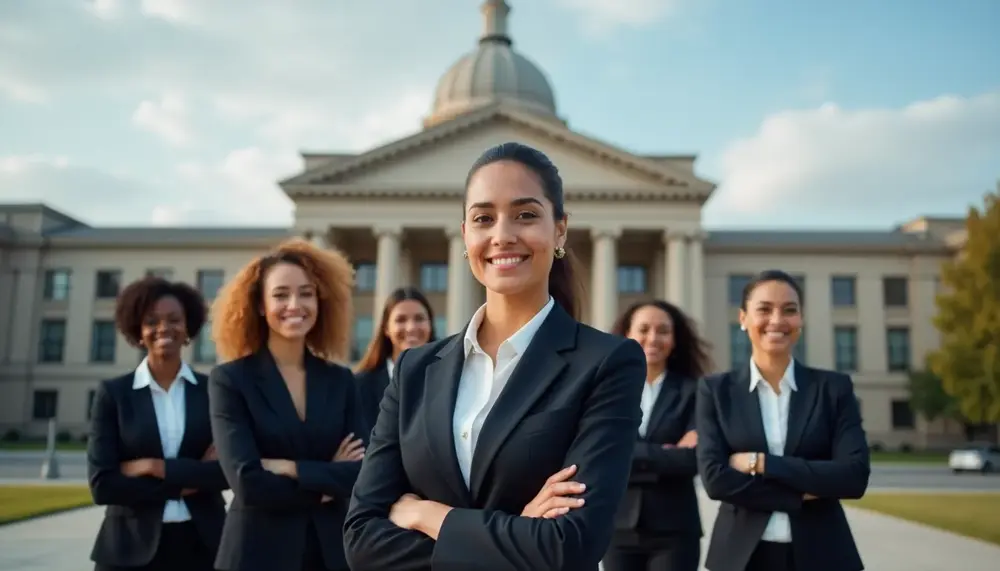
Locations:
(285, 418)
(407, 321)
(780, 444)
(659, 526)
(479, 433)
(150, 457)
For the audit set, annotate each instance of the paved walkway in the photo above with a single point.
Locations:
(62, 543)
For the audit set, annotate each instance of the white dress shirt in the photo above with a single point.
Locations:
(650, 392)
(482, 381)
(171, 414)
(390, 366)
(774, 414)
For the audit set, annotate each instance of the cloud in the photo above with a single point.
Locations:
(601, 17)
(166, 118)
(853, 165)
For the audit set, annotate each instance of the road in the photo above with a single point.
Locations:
(27, 465)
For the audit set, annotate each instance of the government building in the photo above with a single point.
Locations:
(395, 211)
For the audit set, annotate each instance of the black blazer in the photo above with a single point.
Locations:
(253, 417)
(371, 387)
(661, 497)
(572, 399)
(123, 427)
(826, 455)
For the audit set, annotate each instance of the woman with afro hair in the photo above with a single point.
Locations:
(285, 416)
(150, 457)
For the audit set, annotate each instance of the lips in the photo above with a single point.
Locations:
(293, 320)
(775, 335)
(164, 341)
(506, 261)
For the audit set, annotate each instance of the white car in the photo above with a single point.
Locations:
(983, 458)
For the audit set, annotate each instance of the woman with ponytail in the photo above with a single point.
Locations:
(508, 445)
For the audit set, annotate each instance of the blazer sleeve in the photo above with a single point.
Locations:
(337, 479)
(204, 476)
(602, 451)
(651, 457)
(108, 486)
(722, 482)
(371, 541)
(845, 475)
(238, 454)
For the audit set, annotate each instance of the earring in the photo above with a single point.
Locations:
(560, 253)
(465, 254)
(743, 327)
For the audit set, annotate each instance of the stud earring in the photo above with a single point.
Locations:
(465, 254)
(743, 327)
(560, 253)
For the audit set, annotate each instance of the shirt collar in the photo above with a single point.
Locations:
(390, 366)
(517, 342)
(787, 379)
(144, 378)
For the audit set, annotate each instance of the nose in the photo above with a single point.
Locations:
(293, 302)
(504, 232)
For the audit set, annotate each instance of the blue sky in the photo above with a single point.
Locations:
(808, 114)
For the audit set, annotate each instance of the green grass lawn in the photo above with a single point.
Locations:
(971, 515)
(25, 502)
(916, 457)
(72, 445)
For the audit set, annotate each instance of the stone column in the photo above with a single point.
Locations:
(319, 238)
(387, 264)
(696, 283)
(604, 278)
(677, 268)
(460, 283)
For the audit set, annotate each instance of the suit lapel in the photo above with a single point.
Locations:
(749, 405)
(276, 395)
(535, 371)
(664, 401)
(441, 389)
(801, 404)
(195, 409)
(145, 415)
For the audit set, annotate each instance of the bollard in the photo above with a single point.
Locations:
(50, 467)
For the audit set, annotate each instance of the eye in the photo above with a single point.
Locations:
(527, 214)
(482, 219)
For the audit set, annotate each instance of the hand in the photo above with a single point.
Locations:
(808, 497)
(740, 461)
(280, 467)
(143, 467)
(689, 440)
(210, 454)
(325, 499)
(551, 501)
(405, 512)
(350, 450)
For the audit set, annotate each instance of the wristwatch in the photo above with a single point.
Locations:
(753, 463)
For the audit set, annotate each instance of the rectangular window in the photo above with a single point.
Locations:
(895, 291)
(897, 340)
(102, 341)
(631, 279)
(52, 341)
(440, 326)
(163, 273)
(210, 282)
(364, 278)
(736, 285)
(845, 348)
(57, 285)
(843, 291)
(108, 284)
(434, 277)
(204, 346)
(902, 414)
(45, 404)
(739, 347)
(363, 327)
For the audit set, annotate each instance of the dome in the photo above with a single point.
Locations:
(491, 73)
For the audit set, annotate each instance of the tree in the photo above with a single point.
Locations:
(929, 399)
(968, 318)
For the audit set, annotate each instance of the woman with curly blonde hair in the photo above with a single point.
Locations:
(285, 417)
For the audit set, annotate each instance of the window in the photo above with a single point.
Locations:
(164, 273)
(736, 285)
(362, 336)
(440, 326)
(102, 341)
(434, 277)
(739, 347)
(210, 282)
(45, 404)
(90, 403)
(56, 285)
(897, 340)
(364, 277)
(52, 341)
(902, 414)
(108, 284)
(845, 348)
(895, 292)
(843, 291)
(631, 279)
(799, 351)
(204, 346)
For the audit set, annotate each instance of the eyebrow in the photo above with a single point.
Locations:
(515, 202)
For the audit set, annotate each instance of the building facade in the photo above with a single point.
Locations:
(395, 211)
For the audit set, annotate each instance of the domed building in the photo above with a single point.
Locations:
(395, 210)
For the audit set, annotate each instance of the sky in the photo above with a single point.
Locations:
(807, 114)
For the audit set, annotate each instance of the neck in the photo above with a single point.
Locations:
(653, 371)
(505, 314)
(286, 352)
(395, 353)
(164, 370)
(771, 366)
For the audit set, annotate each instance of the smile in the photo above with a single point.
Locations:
(293, 320)
(506, 262)
(775, 335)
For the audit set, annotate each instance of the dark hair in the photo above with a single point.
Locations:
(564, 286)
(771, 276)
(690, 356)
(139, 297)
(380, 346)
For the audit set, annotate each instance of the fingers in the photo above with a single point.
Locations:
(343, 443)
(557, 506)
(561, 475)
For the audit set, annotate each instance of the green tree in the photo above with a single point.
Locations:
(929, 399)
(968, 318)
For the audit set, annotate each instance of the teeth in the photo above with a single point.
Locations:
(293, 320)
(506, 261)
(775, 334)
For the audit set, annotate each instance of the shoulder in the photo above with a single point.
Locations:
(601, 346)
(233, 371)
(202, 378)
(835, 381)
(418, 357)
(716, 381)
(336, 370)
(118, 385)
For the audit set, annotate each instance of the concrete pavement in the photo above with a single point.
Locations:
(62, 543)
